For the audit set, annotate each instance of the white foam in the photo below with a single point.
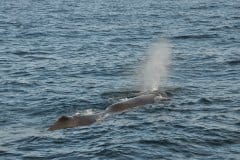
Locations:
(159, 98)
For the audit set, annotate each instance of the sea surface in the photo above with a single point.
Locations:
(67, 56)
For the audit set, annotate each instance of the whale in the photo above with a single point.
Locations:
(84, 120)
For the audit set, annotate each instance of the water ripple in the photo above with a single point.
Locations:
(63, 57)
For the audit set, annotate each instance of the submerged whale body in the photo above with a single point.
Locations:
(83, 120)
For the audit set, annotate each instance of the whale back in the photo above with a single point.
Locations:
(131, 103)
(70, 122)
(61, 123)
(63, 119)
(83, 120)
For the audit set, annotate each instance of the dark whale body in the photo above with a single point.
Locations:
(131, 103)
(83, 120)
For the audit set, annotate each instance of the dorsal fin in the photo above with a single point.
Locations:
(63, 118)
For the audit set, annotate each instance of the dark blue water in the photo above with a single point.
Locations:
(62, 57)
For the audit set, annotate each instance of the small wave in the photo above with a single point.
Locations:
(20, 73)
(27, 139)
(25, 53)
(233, 62)
(203, 7)
(2, 152)
(205, 101)
(169, 91)
(21, 83)
(7, 154)
(188, 103)
(221, 142)
(237, 124)
(32, 34)
(39, 58)
(13, 90)
(204, 36)
(164, 142)
(224, 27)
(34, 139)
(20, 53)
(236, 17)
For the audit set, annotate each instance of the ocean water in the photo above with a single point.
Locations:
(67, 56)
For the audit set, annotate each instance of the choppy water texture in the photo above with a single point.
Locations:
(62, 57)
